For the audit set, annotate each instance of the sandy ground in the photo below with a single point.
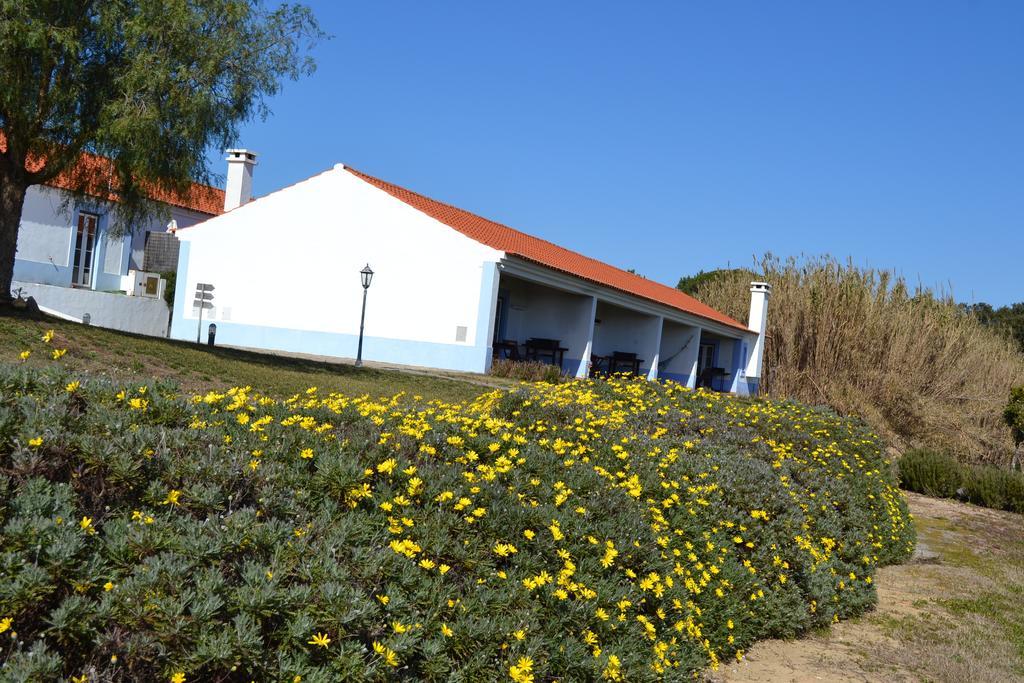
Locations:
(953, 613)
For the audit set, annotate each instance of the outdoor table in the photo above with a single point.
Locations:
(627, 360)
(545, 348)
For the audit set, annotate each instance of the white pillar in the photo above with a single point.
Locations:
(590, 311)
(691, 357)
(238, 190)
(655, 352)
(758, 324)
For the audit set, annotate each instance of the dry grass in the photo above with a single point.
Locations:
(526, 370)
(916, 368)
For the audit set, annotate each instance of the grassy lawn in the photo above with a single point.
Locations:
(199, 367)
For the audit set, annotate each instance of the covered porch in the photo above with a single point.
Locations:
(586, 331)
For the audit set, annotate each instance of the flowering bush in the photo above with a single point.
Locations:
(616, 530)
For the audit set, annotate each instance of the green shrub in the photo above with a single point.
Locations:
(937, 474)
(619, 529)
(172, 279)
(931, 473)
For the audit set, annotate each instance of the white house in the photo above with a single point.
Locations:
(451, 290)
(69, 258)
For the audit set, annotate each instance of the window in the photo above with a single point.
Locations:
(85, 244)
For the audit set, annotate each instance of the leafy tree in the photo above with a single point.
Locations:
(1009, 319)
(150, 84)
(689, 284)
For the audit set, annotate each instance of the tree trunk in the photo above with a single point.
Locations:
(12, 199)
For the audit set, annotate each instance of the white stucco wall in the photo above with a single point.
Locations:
(683, 363)
(45, 232)
(291, 261)
(623, 330)
(137, 314)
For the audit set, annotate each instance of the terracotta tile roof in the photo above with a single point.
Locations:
(516, 243)
(97, 172)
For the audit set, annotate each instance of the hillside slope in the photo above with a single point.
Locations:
(199, 367)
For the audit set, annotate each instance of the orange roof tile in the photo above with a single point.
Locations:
(95, 174)
(517, 243)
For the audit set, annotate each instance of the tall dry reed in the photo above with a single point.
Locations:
(910, 363)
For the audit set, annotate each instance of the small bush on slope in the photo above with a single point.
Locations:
(937, 474)
(618, 530)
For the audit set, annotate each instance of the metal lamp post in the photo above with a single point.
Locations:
(366, 276)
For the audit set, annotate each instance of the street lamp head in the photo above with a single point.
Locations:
(366, 274)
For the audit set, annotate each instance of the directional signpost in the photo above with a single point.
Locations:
(204, 301)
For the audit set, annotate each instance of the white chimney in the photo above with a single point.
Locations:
(239, 188)
(758, 323)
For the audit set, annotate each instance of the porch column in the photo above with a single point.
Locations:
(489, 282)
(655, 347)
(690, 356)
(590, 311)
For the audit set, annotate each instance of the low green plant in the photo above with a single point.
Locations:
(931, 473)
(937, 474)
(616, 530)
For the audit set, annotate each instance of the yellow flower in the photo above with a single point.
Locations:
(172, 497)
(178, 677)
(384, 600)
(5, 623)
(447, 631)
(24, 354)
(320, 639)
(57, 354)
(504, 549)
(108, 586)
(36, 442)
(388, 466)
(48, 336)
(306, 453)
(529, 533)
(72, 387)
(613, 670)
(86, 525)
(389, 655)
(522, 670)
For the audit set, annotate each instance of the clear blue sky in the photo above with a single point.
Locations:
(671, 137)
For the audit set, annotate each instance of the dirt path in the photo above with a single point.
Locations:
(954, 613)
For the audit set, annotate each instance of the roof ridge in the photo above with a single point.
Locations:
(189, 198)
(691, 303)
